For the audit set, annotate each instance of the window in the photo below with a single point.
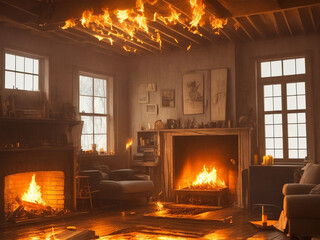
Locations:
(95, 110)
(21, 72)
(283, 109)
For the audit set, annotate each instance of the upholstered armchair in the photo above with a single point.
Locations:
(301, 204)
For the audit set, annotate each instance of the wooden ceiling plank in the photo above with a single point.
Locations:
(217, 9)
(312, 20)
(300, 21)
(243, 28)
(287, 22)
(19, 8)
(275, 24)
(167, 35)
(255, 26)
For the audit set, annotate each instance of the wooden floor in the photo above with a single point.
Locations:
(113, 220)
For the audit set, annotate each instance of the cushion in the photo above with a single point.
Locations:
(103, 168)
(315, 190)
(311, 174)
(121, 174)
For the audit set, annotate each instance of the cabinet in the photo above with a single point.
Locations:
(148, 148)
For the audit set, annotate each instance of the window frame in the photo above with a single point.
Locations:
(283, 80)
(109, 108)
(43, 71)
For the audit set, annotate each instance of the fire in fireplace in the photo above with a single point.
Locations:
(34, 194)
(205, 169)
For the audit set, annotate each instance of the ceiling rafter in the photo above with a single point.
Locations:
(287, 22)
(275, 24)
(243, 28)
(255, 26)
(300, 21)
(312, 20)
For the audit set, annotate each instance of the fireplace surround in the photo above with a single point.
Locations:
(240, 136)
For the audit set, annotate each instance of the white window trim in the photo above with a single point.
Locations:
(309, 110)
(110, 104)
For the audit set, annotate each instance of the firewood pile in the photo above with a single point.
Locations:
(28, 210)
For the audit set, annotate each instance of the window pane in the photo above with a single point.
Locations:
(278, 154)
(268, 119)
(100, 86)
(268, 90)
(85, 104)
(100, 125)
(36, 66)
(101, 141)
(86, 141)
(10, 80)
(100, 105)
(86, 85)
(268, 104)
(19, 64)
(301, 88)
(276, 68)
(269, 130)
(35, 83)
(277, 104)
(301, 66)
(302, 130)
(291, 89)
(10, 62)
(87, 124)
(269, 143)
(292, 118)
(277, 118)
(20, 81)
(278, 143)
(293, 143)
(289, 67)
(270, 152)
(277, 90)
(265, 69)
(301, 117)
(293, 154)
(303, 143)
(278, 130)
(28, 65)
(292, 130)
(291, 103)
(302, 153)
(28, 82)
(301, 102)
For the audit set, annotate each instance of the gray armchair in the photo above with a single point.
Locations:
(301, 204)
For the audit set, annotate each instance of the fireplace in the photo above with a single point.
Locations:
(185, 150)
(206, 168)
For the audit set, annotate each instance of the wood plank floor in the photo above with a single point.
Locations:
(111, 220)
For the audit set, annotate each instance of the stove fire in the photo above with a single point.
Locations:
(34, 193)
(208, 180)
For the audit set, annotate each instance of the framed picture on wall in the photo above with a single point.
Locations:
(152, 108)
(219, 79)
(167, 98)
(143, 96)
(193, 93)
(151, 87)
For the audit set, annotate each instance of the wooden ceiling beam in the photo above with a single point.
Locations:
(243, 28)
(287, 22)
(312, 20)
(275, 24)
(255, 26)
(19, 8)
(217, 9)
(300, 21)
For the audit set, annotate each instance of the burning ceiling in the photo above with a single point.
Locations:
(134, 25)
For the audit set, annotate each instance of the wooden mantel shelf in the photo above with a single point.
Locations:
(40, 120)
(199, 130)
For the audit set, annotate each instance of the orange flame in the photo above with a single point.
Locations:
(129, 144)
(208, 179)
(217, 23)
(69, 23)
(34, 193)
(197, 13)
(159, 206)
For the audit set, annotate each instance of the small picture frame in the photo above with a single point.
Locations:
(152, 108)
(151, 87)
(143, 96)
(167, 98)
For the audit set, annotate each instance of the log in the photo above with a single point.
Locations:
(31, 205)
(13, 216)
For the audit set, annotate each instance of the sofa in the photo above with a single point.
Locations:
(301, 204)
(121, 184)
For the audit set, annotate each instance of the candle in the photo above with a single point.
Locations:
(255, 159)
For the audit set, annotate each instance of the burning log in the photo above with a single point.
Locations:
(33, 206)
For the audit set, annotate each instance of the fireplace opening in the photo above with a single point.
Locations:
(34, 194)
(205, 169)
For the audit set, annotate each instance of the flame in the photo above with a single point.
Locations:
(129, 49)
(217, 23)
(188, 48)
(51, 235)
(34, 193)
(159, 206)
(129, 144)
(208, 179)
(69, 23)
(197, 13)
(99, 37)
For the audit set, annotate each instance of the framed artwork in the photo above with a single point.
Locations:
(193, 92)
(151, 87)
(219, 79)
(152, 108)
(167, 98)
(143, 96)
